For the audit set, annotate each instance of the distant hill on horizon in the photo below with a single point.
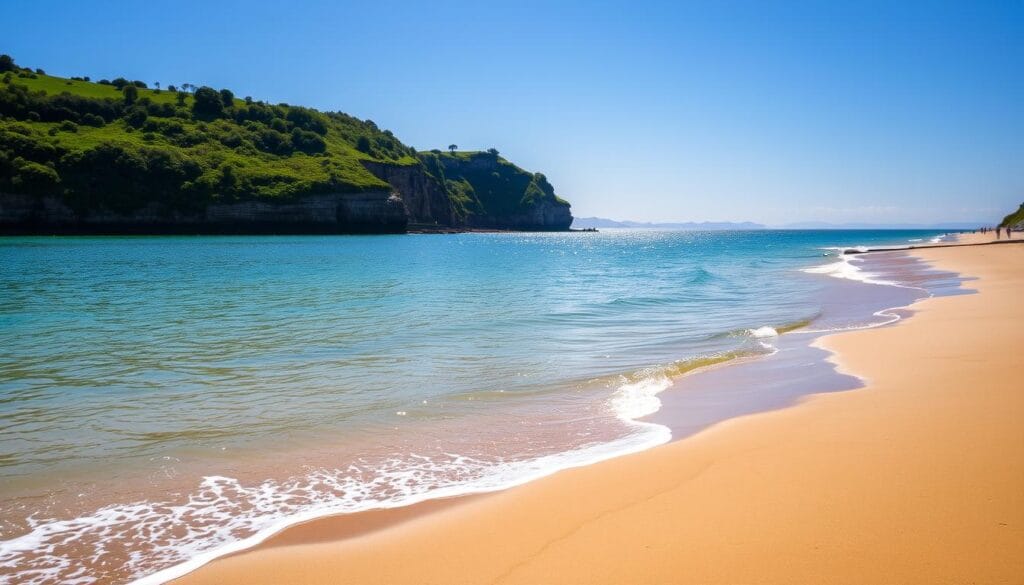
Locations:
(822, 225)
(601, 222)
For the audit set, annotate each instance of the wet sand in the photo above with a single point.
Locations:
(918, 477)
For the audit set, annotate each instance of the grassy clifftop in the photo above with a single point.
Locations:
(118, 145)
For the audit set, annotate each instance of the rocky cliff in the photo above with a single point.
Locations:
(336, 213)
(542, 216)
(426, 199)
(450, 191)
(84, 157)
(487, 191)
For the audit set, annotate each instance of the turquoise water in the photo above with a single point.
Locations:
(172, 396)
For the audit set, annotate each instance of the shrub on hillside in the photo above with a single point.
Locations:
(207, 103)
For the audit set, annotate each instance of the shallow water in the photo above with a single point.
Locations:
(163, 398)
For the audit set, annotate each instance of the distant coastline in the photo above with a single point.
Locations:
(602, 222)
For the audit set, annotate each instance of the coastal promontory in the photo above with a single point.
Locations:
(79, 156)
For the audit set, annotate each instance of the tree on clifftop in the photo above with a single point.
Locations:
(453, 148)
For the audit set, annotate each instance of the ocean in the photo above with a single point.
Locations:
(166, 400)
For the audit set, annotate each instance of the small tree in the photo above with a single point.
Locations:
(7, 63)
(227, 98)
(363, 144)
(228, 179)
(131, 93)
(452, 148)
(180, 98)
(207, 103)
(493, 152)
(172, 88)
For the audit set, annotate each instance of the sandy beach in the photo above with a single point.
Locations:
(916, 478)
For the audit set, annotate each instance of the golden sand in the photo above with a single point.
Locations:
(916, 478)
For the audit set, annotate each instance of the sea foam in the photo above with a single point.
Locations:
(844, 268)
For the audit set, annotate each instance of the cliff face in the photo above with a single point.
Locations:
(335, 213)
(488, 192)
(542, 216)
(426, 199)
(474, 190)
(81, 157)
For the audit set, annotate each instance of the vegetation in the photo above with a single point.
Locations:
(1015, 219)
(119, 145)
(484, 184)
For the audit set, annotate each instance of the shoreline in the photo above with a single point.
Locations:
(347, 525)
(325, 536)
(223, 499)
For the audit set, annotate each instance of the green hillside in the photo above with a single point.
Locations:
(483, 183)
(1015, 219)
(118, 145)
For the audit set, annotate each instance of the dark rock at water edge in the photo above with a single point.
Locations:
(335, 213)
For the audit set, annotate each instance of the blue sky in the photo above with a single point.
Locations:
(760, 111)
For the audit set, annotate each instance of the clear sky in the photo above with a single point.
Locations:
(760, 111)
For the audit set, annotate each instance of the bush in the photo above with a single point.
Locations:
(232, 140)
(90, 119)
(68, 126)
(272, 141)
(227, 98)
(34, 178)
(130, 93)
(363, 144)
(207, 103)
(307, 119)
(136, 117)
(7, 63)
(308, 142)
